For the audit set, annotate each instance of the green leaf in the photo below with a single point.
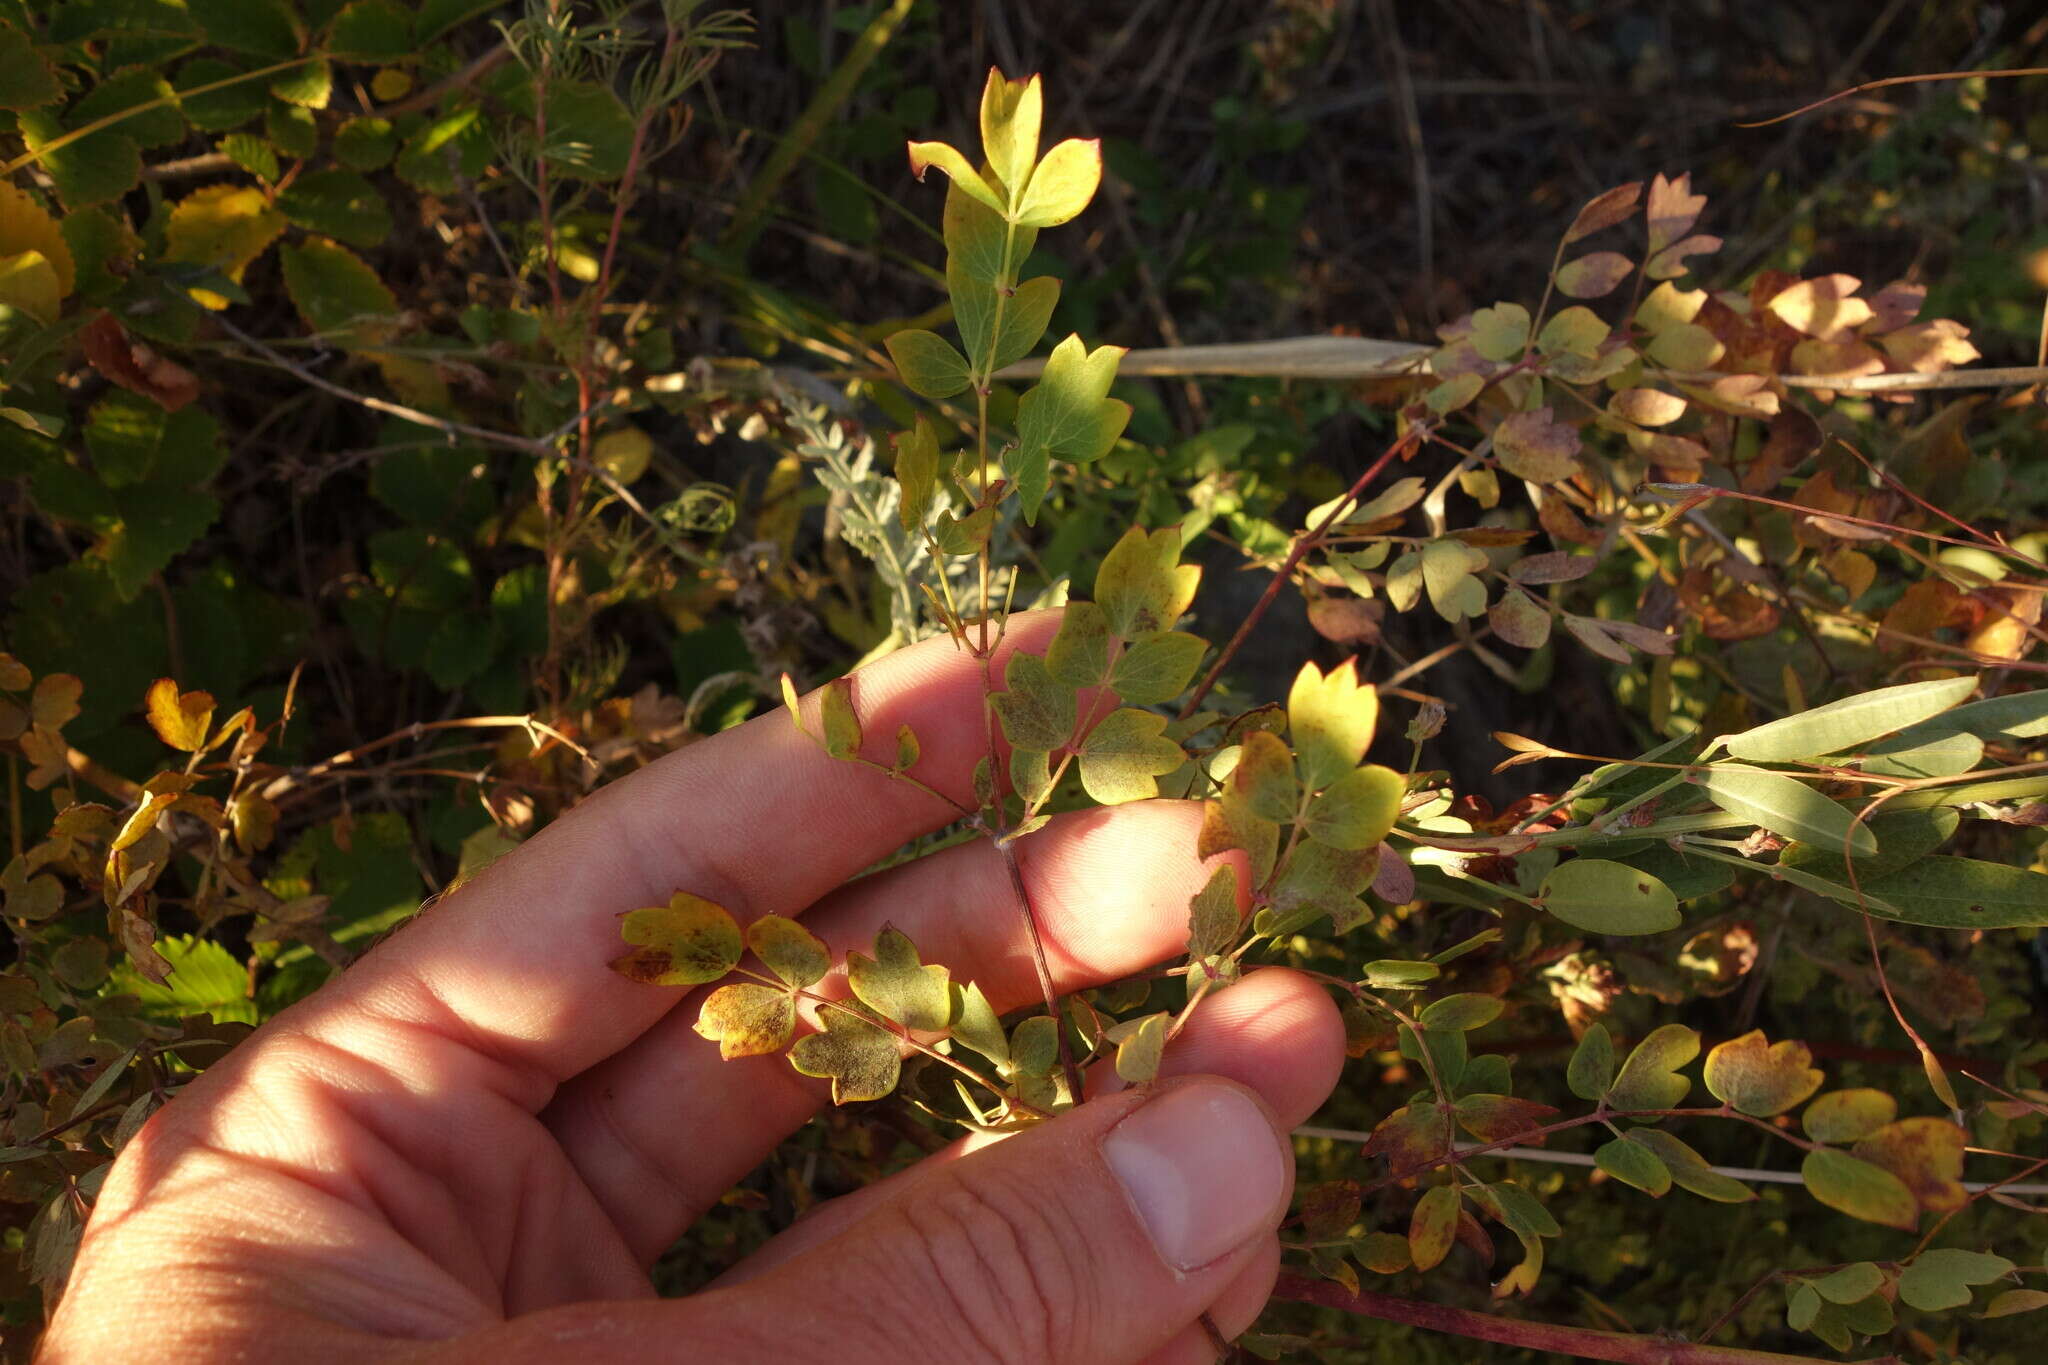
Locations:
(979, 242)
(1433, 1226)
(1395, 974)
(1632, 1163)
(1850, 1284)
(746, 1020)
(1649, 1079)
(896, 985)
(365, 144)
(336, 294)
(461, 648)
(205, 978)
(1035, 1046)
(1038, 711)
(1212, 914)
(1063, 184)
(1079, 653)
(1139, 1052)
(1591, 1071)
(1460, 1013)
(338, 204)
(371, 31)
(1447, 569)
(590, 134)
(1331, 718)
(1011, 112)
(925, 155)
(1946, 892)
(1921, 755)
(1761, 1078)
(143, 102)
(1688, 876)
(1125, 754)
(308, 85)
(26, 80)
(1848, 1115)
(1604, 897)
(1067, 415)
(1859, 1189)
(859, 1057)
(1785, 806)
(908, 750)
(1030, 777)
(1025, 314)
(975, 1023)
(92, 170)
(840, 725)
(789, 950)
(2015, 1301)
(963, 535)
(1499, 333)
(1689, 1170)
(1318, 880)
(1848, 723)
(1141, 587)
(928, 363)
(1573, 331)
(262, 28)
(1157, 667)
(687, 942)
(252, 154)
(2019, 715)
(917, 470)
(1358, 810)
(217, 111)
(1264, 777)
(1903, 838)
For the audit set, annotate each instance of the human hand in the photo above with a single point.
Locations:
(471, 1146)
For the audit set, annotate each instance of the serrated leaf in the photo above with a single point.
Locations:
(1849, 723)
(336, 293)
(91, 170)
(371, 30)
(1649, 1079)
(338, 204)
(1125, 754)
(897, 985)
(1604, 897)
(222, 227)
(1761, 1078)
(26, 79)
(1037, 711)
(687, 942)
(1859, 1189)
(1786, 807)
(859, 1057)
(746, 1020)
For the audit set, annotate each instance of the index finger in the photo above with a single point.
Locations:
(758, 819)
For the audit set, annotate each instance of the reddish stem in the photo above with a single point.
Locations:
(1301, 547)
(1585, 1343)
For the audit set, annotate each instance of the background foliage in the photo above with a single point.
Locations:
(487, 400)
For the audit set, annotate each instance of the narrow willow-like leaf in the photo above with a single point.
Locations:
(1947, 892)
(1848, 723)
(1604, 897)
(1785, 806)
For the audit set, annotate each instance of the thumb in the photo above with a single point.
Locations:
(1096, 1238)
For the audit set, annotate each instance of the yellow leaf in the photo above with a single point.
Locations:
(180, 719)
(26, 225)
(623, 453)
(29, 283)
(223, 226)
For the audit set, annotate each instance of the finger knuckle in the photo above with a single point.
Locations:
(1004, 1264)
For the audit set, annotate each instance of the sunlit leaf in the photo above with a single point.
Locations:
(687, 942)
(1848, 723)
(1604, 897)
(1761, 1078)
(1125, 754)
(897, 985)
(746, 1020)
(1649, 1079)
(1859, 1189)
(1785, 806)
(859, 1057)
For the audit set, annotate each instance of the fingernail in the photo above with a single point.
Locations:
(1202, 1168)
